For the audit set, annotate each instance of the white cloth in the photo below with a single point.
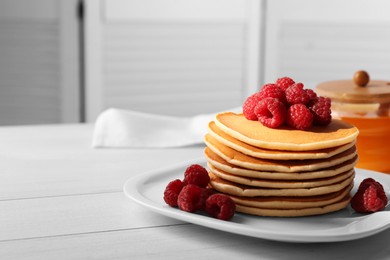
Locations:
(125, 128)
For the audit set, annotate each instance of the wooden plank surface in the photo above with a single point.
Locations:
(186, 242)
(69, 215)
(37, 164)
(61, 199)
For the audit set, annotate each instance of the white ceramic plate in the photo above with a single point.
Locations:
(147, 189)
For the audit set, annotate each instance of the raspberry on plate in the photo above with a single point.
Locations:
(196, 174)
(296, 94)
(271, 112)
(272, 91)
(206, 193)
(321, 109)
(249, 106)
(220, 206)
(284, 82)
(190, 198)
(171, 192)
(370, 197)
(366, 182)
(299, 117)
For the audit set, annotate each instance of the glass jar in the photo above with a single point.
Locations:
(365, 104)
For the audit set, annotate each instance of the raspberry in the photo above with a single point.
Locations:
(320, 108)
(190, 198)
(366, 182)
(206, 193)
(273, 91)
(311, 93)
(284, 82)
(271, 112)
(295, 94)
(249, 106)
(220, 206)
(172, 191)
(299, 116)
(370, 197)
(196, 174)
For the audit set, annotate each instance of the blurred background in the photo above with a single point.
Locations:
(65, 61)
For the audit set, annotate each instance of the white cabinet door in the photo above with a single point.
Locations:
(171, 57)
(315, 41)
(39, 62)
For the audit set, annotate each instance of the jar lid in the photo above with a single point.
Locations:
(357, 90)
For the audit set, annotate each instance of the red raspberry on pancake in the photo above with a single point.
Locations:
(249, 106)
(296, 94)
(273, 91)
(299, 117)
(284, 82)
(271, 112)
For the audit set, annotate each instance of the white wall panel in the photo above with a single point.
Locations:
(39, 70)
(29, 72)
(171, 57)
(175, 10)
(153, 66)
(316, 41)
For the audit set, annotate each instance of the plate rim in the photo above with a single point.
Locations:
(132, 186)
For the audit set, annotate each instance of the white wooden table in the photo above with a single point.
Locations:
(61, 199)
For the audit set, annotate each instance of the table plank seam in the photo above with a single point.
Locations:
(94, 232)
(61, 196)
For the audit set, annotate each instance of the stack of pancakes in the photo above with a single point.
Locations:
(281, 172)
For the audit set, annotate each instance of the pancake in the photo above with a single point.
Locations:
(262, 153)
(242, 160)
(230, 188)
(282, 184)
(219, 163)
(335, 134)
(339, 205)
(292, 202)
(281, 172)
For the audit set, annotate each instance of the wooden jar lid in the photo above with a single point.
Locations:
(357, 90)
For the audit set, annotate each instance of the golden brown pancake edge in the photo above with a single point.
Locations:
(285, 138)
(262, 153)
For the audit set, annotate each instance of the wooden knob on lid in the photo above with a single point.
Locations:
(361, 78)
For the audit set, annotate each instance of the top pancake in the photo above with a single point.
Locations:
(257, 152)
(335, 134)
